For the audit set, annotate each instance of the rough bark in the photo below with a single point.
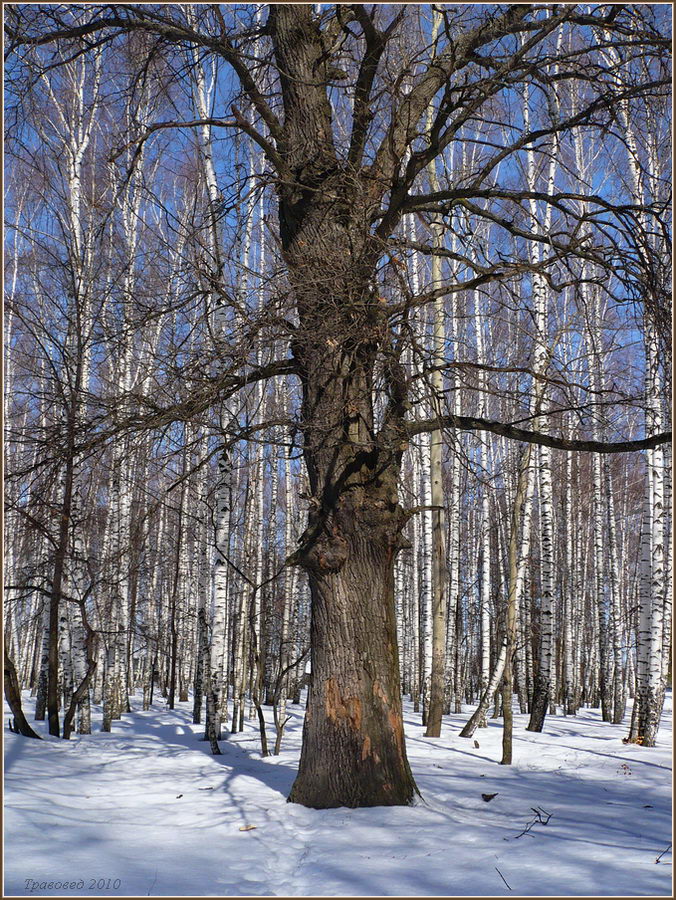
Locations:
(353, 740)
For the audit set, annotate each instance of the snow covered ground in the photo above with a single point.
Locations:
(147, 810)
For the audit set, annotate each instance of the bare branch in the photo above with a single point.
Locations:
(472, 423)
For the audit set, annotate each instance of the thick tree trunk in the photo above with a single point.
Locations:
(353, 747)
(353, 740)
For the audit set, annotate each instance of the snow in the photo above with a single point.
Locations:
(148, 805)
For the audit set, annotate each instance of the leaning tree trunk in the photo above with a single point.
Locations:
(13, 696)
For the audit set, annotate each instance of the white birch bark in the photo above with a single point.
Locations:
(288, 597)
(203, 87)
(455, 500)
(439, 599)
(542, 688)
(421, 459)
(485, 521)
(568, 612)
(650, 686)
(615, 624)
(67, 131)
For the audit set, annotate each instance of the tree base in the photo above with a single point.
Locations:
(324, 795)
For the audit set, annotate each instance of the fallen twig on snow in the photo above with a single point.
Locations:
(503, 877)
(663, 853)
(541, 817)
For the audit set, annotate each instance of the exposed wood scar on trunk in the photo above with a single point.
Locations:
(397, 726)
(379, 692)
(338, 708)
(366, 751)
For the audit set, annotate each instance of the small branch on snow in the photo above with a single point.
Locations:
(541, 817)
(152, 885)
(663, 853)
(503, 877)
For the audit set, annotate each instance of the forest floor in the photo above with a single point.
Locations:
(149, 806)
